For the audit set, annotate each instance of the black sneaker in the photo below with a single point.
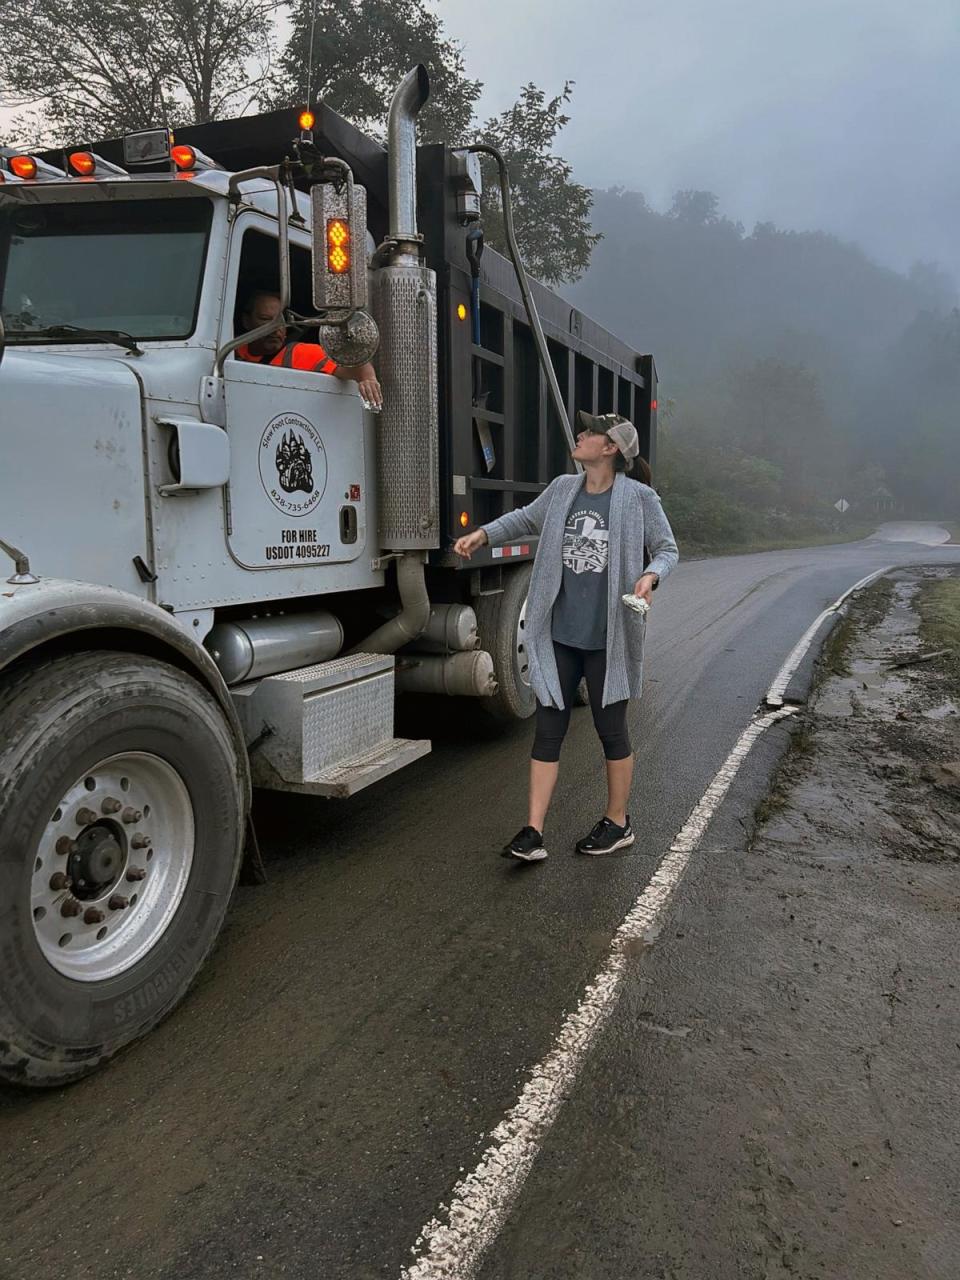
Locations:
(527, 845)
(607, 836)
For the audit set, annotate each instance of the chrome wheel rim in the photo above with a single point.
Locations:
(521, 665)
(112, 866)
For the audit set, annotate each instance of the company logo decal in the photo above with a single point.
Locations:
(293, 464)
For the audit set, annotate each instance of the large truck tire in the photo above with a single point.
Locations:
(121, 822)
(501, 620)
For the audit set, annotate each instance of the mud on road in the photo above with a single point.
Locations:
(857, 1127)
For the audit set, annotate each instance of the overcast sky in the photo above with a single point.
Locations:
(840, 115)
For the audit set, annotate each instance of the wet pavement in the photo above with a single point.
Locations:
(372, 1012)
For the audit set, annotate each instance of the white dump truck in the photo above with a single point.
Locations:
(220, 573)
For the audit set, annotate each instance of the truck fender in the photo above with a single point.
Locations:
(56, 615)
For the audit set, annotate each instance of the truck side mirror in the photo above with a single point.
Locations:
(339, 213)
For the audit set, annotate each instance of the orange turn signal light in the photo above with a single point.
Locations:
(83, 163)
(461, 311)
(183, 157)
(464, 519)
(338, 246)
(306, 120)
(23, 166)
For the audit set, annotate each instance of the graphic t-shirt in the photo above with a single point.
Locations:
(580, 611)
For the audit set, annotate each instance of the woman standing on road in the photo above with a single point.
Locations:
(593, 529)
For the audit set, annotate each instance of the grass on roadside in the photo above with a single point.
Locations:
(938, 602)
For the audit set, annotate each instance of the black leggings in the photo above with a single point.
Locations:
(610, 721)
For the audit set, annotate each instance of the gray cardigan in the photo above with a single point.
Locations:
(636, 520)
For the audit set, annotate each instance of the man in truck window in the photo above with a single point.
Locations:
(275, 349)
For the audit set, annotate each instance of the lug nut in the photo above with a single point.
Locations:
(135, 873)
(131, 815)
(110, 805)
(118, 902)
(140, 842)
(60, 880)
(93, 915)
(85, 817)
(65, 846)
(71, 908)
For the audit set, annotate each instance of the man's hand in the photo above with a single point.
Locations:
(469, 543)
(365, 376)
(643, 587)
(370, 391)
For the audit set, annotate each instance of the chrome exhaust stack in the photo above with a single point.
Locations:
(405, 308)
(411, 94)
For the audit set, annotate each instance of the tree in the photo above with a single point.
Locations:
(105, 67)
(362, 49)
(551, 212)
(697, 208)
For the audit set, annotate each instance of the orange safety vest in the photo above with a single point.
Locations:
(295, 355)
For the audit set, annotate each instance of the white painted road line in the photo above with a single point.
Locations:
(452, 1250)
(786, 673)
(480, 1202)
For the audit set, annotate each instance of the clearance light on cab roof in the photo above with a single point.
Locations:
(23, 167)
(82, 163)
(306, 120)
(189, 159)
(87, 164)
(184, 157)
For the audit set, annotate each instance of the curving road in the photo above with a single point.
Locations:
(371, 1013)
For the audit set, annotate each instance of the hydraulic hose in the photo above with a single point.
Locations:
(546, 364)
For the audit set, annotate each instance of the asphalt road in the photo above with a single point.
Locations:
(371, 1013)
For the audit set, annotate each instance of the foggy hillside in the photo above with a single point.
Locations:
(806, 367)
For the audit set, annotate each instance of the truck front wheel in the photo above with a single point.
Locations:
(121, 817)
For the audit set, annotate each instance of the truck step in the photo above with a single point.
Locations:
(350, 776)
(326, 729)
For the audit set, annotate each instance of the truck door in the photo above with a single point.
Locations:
(296, 490)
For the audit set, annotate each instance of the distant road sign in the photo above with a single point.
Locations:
(842, 505)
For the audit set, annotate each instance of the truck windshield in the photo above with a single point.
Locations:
(130, 265)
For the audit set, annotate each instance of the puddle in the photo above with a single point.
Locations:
(940, 713)
(679, 1032)
(872, 684)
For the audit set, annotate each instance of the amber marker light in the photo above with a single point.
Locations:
(306, 120)
(23, 166)
(464, 519)
(183, 157)
(461, 311)
(83, 163)
(338, 246)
